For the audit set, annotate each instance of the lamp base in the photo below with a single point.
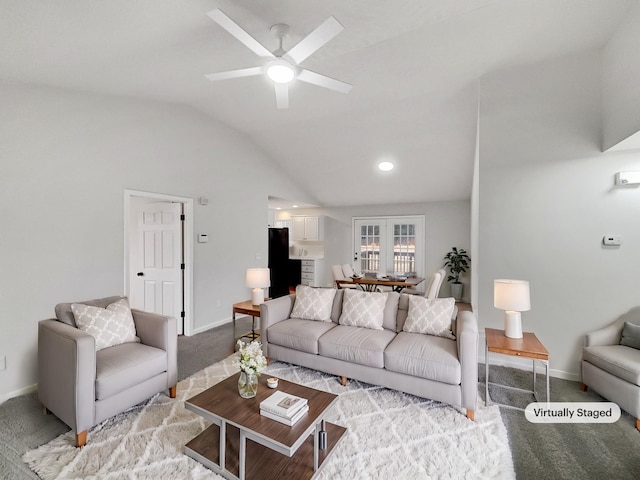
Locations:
(512, 324)
(257, 296)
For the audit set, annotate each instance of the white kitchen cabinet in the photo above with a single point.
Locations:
(306, 228)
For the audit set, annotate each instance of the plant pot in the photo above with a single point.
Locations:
(456, 290)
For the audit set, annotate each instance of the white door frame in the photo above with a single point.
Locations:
(187, 246)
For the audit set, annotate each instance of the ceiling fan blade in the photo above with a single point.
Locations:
(237, 31)
(324, 81)
(243, 72)
(314, 41)
(282, 95)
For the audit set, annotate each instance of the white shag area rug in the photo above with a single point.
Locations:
(389, 435)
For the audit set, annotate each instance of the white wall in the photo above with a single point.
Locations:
(547, 199)
(620, 73)
(447, 224)
(67, 159)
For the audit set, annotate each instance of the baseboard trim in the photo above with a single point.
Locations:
(204, 328)
(22, 391)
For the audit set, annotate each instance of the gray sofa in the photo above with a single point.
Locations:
(611, 366)
(424, 365)
(83, 387)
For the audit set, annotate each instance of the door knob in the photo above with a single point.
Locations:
(140, 274)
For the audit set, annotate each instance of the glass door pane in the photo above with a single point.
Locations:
(404, 248)
(369, 235)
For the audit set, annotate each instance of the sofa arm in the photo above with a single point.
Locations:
(272, 312)
(161, 332)
(467, 342)
(67, 373)
(609, 335)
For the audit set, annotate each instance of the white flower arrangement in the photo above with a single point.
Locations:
(251, 358)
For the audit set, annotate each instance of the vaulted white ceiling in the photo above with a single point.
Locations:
(415, 66)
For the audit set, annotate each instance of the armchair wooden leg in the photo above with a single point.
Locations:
(637, 423)
(45, 410)
(471, 415)
(81, 439)
(583, 387)
(343, 381)
(172, 391)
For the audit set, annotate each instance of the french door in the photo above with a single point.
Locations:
(389, 245)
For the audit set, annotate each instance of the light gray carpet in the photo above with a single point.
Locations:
(562, 451)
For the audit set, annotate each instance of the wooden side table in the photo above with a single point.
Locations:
(247, 308)
(528, 346)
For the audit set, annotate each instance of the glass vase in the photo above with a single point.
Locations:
(247, 384)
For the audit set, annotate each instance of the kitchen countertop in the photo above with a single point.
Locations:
(306, 257)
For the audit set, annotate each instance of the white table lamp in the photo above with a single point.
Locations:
(512, 296)
(258, 279)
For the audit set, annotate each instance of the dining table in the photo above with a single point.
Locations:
(371, 284)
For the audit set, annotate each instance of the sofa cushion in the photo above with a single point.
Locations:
(357, 345)
(123, 366)
(430, 316)
(618, 360)
(298, 334)
(390, 311)
(363, 309)
(110, 326)
(424, 356)
(336, 310)
(403, 311)
(313, 303)
(630, 335)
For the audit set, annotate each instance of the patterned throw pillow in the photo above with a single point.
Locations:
(363, 309)
(430, 316)
(109, 326)
(313, 303)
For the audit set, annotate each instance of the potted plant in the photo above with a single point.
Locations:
(458, 262)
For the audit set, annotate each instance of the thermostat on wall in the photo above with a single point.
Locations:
(203, 238)
(612, 240)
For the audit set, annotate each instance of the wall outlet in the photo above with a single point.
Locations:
(3, 363)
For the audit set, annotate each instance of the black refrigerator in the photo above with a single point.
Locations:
(285, 273)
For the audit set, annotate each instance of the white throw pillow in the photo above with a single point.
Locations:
(313, 303)
(430, 316)
(363, 309)
(109, 326)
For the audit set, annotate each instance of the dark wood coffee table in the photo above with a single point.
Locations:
(241, 443)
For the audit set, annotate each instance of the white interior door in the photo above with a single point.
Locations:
(158, 284)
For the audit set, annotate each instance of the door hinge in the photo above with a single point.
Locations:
(182, 266)
(182, 314)
(183, 217)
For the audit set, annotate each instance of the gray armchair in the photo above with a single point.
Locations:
(83, 387)
(612, 369)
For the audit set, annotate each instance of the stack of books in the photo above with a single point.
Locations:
(284, 407)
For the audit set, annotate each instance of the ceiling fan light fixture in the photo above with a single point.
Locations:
(280, 71)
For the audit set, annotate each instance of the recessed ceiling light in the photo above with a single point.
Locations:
(385, 166)
(294, 206)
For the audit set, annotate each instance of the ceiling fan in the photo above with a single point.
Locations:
(282, 66)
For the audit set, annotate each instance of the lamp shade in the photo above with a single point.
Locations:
(258, 278)
(511, 295)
